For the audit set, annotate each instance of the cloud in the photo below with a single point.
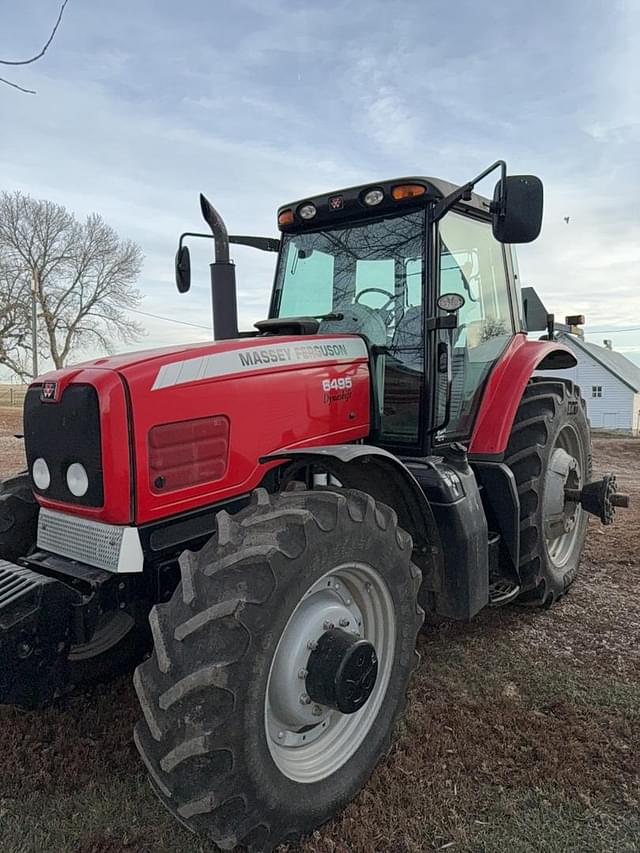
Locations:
(143, 105)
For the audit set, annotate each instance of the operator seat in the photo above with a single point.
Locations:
(357, 319)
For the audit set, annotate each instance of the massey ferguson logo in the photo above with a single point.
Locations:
(48, 393)
(336, 202)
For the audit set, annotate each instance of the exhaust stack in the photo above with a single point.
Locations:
(224, 300)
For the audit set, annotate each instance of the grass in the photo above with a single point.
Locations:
(522, 735)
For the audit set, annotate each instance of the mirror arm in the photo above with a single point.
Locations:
(464, 192)
(265, 244)
(192, 234)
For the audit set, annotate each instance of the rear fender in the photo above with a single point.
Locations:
(505, 387)
(384, 477)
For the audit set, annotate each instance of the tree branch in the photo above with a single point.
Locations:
(38, 55)
(15, 86)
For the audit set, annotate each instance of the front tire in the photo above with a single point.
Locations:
(234, 745)
(549, 450)
(120, 639)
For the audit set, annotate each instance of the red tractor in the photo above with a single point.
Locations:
(282, 506)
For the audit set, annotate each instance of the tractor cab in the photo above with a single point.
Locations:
(420, 269)
(430, 289)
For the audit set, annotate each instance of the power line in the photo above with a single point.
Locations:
(590, 331)
(169, 319)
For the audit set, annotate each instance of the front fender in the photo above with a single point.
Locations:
(505, 387)
(382, 475)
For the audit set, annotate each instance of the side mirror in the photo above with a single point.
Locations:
(183, 269)
(517, 209)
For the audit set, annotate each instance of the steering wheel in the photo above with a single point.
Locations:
(392, 298)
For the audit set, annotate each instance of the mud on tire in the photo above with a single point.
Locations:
(203, 736)
(547, 407)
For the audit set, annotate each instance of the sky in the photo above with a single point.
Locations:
(143, 104)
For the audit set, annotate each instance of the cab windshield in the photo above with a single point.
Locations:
(366, 279)
(369, 276)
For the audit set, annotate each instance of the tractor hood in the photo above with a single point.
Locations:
(170, 431)
(210, 359)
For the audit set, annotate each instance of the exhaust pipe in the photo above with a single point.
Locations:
(224, 300)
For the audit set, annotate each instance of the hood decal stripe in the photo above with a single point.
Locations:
(255, 358)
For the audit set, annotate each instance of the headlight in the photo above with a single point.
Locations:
(373, 197)
(40, 474)
(77, 479)
(307, 211)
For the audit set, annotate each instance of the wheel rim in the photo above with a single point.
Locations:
(562, 518)
(307, 741)
(110, 629)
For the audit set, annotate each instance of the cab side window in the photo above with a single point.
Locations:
(472, 263)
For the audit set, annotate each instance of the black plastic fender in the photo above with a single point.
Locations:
(386, 479)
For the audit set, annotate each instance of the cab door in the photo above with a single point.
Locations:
(470, 262)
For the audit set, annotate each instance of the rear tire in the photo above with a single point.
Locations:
(206, 738)
(551, 421)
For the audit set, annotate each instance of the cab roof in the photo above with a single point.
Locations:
(349, 203)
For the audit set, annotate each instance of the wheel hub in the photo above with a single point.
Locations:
(342, 671)
(562, 515)
(330, 672)
(326, 605)
(562, 474)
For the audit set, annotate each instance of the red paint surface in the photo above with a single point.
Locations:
(504, 391)
(115, 444)
(268, 409)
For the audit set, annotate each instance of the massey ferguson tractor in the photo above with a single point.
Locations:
(267, 517)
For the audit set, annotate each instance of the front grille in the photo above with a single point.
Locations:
(64, 432)
(90, 542)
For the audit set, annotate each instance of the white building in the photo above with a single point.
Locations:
(609, 382)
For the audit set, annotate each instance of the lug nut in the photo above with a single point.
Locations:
(304, 699)
(312, 645)
(328, 625)
(280, 735)
(317, 711)
(344, 623)
(302, 673)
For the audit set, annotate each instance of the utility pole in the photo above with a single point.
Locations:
(34, 322)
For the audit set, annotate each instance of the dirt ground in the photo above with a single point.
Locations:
(11, 449)
(522, 734)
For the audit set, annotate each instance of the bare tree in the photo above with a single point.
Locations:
(83, 275)
(15, 342)
(34, 58)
